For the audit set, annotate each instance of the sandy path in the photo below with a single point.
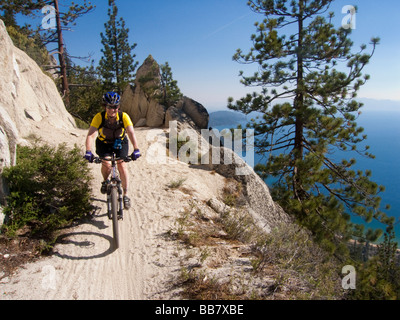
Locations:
(85, 266)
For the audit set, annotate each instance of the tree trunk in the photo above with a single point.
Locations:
(299, 106)
(61, 56)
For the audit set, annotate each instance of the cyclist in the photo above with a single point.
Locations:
(112, 126)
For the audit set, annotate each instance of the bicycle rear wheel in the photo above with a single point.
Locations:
(114, 214)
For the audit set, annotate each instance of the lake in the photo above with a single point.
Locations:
(381, 121)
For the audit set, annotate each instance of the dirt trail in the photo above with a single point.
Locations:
(85, 266)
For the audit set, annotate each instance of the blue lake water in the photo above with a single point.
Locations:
(382, 126)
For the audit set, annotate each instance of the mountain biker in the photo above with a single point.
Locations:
(112, 125)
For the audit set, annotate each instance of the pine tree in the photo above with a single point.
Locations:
(63, 19)
(388, 264)
(379, 277)
(309, 81)
(86, 92)
(170, 92)
(117, 65)
(25, 7)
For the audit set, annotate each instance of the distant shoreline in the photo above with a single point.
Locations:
(379, 118)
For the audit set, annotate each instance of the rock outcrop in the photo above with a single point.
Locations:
(29, 99)
(138, 100)
(265, 212)
(189, 111)
(140, 103)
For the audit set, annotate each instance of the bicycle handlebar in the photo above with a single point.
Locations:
(101, 159)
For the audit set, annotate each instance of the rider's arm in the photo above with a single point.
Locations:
(90, 137)
(94, 126)
(132, 137)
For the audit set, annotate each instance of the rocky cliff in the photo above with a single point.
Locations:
(29, 100)
(140, 103)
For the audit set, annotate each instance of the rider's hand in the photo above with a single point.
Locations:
(136, 155)
(89, 156)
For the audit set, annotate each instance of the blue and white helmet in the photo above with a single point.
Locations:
(111, 98)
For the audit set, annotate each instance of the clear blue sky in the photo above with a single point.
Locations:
(199, 37)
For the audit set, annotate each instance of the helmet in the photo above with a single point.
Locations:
(111, 98)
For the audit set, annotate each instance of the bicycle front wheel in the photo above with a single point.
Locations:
(114, 214)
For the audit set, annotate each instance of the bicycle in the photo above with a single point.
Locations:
(115, 206)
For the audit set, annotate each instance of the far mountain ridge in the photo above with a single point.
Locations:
(227, 117)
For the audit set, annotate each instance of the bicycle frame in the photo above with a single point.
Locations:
(115, 182)
(114, 194)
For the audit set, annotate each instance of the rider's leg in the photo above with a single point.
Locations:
(103, 150)
(106, 169)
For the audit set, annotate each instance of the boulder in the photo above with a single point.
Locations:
(254, 196)
(141, 123)
(29, 99)
(190, 112)
(9, 138)
(138, 100)
(196, 112)
(266, 213)
(134, 103)
(175, 113)
(155, 114)
(28, 95)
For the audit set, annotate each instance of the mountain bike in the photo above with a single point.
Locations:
(115, 206)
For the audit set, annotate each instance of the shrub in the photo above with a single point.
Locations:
(49, 188)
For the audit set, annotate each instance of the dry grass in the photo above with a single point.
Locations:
(199, 286)
(229, 258)
(233, 194)
(175, 184)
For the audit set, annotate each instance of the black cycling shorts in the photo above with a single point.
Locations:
(106, 149)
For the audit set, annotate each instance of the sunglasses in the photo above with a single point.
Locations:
(114, 107)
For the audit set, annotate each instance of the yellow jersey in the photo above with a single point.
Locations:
(109, 132)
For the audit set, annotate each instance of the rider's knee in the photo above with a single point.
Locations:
(121, 166)
(106, 164)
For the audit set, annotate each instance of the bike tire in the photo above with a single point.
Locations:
(114, 214)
